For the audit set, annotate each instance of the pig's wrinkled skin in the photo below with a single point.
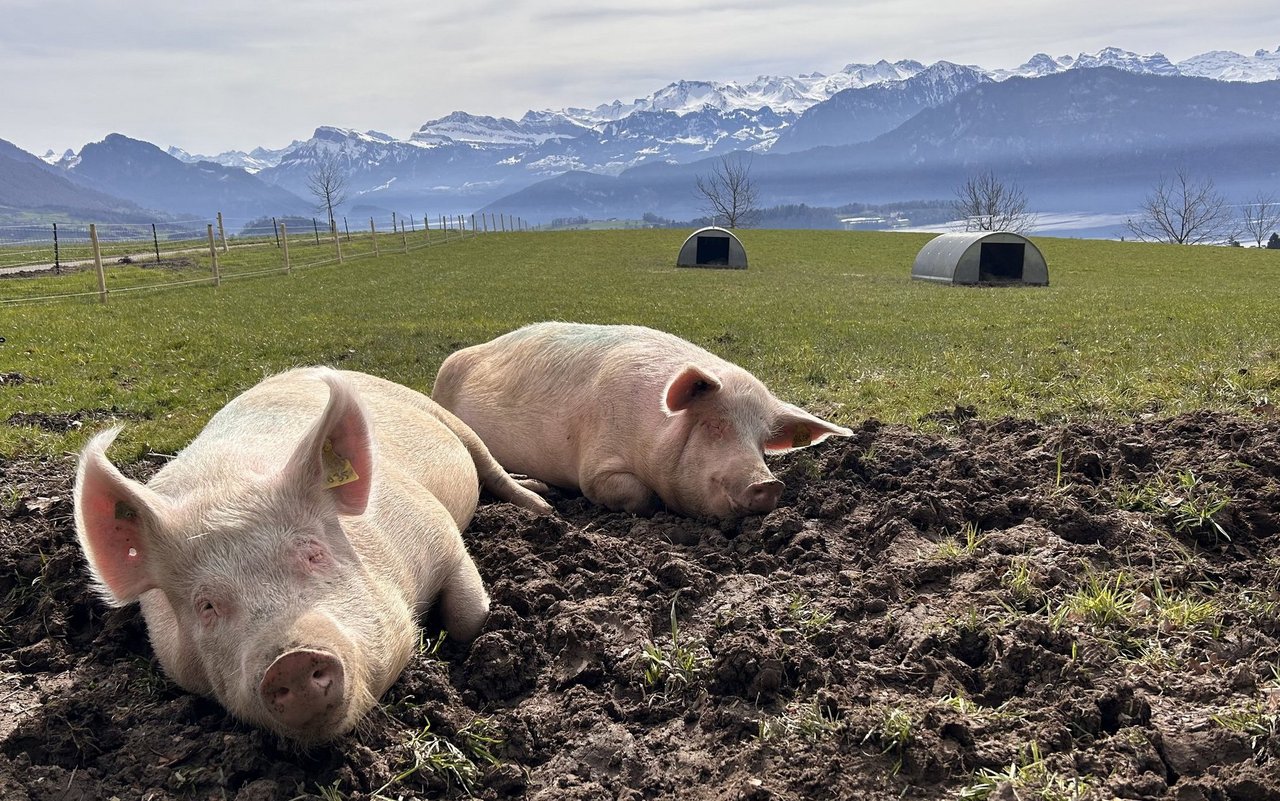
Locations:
(628, 415)
(291, 602)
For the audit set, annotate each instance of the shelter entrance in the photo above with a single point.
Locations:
(713, 250)
(1001, 262)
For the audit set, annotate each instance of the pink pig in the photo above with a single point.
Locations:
(628, 415)
(282, 557)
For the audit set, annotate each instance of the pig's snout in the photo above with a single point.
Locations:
(762, 496)
(303, 689)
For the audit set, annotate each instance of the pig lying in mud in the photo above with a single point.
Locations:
(628, 415)
(282, 557)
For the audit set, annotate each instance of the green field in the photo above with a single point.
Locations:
(830, 320)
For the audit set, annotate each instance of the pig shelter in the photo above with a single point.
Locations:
(981, 257)
(712, 247)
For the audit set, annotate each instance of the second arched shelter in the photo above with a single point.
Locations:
(981, 257)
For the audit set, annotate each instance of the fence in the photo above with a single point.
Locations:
(94, 261)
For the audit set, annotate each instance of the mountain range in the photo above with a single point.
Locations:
(886, 131)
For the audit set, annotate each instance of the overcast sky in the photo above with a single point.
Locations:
(215, 76)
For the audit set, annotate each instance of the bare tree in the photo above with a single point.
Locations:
(1183, 210)
(1261, 217)
(328, 182)
(728, 193)
(984, 202)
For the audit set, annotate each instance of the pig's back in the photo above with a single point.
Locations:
(253, 436)
(540, 395)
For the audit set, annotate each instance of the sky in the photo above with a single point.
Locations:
(234, 75)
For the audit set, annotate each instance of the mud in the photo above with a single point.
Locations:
(997, 609)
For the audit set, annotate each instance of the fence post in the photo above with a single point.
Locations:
(473, 223)
(426, 227)
(462, 225)
(57, 264)
(276, 227)
(346, 227)
(316, 226)
(444, 229)
(337, 246)
(404, 237)
(373, 232)
(155, 240)
(222, 233)
(213, 255)
(283, 236)
(413, 224)
(97, 263)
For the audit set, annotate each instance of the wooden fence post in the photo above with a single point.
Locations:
(222, 233)
(373, 232)
(337, 246)
(284, 240)
(404, 237)
(213, 256)
(426, 227)
(97, 263)
(444, 228)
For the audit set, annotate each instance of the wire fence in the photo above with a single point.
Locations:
(52, 261)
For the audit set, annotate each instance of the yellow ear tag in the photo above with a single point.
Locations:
(337, 469)
(801, 436)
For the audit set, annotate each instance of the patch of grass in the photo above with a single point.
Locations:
(1030, 779)
(810, 721)
(479, 737)
(967, 544)
(893, 733)
(1022, 581)
(1184, 612)
(1143, 321)
(433, 753)
(1099, 602)
(810, 621)
(1260, 724)
(676, 669)
(1190, 504)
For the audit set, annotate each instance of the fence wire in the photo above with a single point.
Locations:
(48, 261)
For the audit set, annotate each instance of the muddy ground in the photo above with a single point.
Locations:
(998, 609)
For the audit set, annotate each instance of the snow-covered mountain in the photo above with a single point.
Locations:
(465, 159)
(257, 159)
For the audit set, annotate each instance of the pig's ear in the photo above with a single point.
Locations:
(337, 453)
(117, 521)
(796, 428)
(689, 384)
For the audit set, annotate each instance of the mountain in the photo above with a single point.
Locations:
(28, 184)
(463, 161)
(1078, 139)
(255, 160)
(862, 114)
(145, 174)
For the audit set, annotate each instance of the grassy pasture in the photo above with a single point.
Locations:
(830, 320)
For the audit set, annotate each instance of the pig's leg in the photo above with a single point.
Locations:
(620, 490)
(464, 605)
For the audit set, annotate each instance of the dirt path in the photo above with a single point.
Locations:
(1088, 612)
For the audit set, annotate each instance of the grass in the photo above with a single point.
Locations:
(1098, 602)
(810, 722)
(1190, 504)
(1029, 779)
(894, 731)
(676, 669)
(829, 319)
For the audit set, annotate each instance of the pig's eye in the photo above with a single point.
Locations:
(207, 610)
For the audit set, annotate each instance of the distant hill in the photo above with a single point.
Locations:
(29, 186)
(145, 174)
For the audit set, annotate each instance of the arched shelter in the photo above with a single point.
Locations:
(712, 247)
(981, 257)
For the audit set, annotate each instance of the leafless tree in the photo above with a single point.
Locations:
(1183, 210)
(984, 202)
(1260, 217)
(728, 193)
(328, 182)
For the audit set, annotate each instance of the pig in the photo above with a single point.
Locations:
(628, 415)
(282, 557)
